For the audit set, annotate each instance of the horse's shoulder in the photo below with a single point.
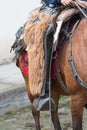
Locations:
(83, 22)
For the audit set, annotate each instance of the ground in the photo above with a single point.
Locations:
(22, 119)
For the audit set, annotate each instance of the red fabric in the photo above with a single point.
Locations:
(25, 66)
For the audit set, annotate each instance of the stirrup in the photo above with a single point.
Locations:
(44, 104)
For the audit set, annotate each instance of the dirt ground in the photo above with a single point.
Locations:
(22, 119)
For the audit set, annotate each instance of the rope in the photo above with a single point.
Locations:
(78, 6)
(50, 92)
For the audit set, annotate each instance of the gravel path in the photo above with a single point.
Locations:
(21, 119)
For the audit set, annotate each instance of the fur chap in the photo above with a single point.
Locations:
(33, 36)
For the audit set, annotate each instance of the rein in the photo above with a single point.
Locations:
(76, 2)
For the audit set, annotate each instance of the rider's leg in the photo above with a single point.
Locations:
(42, 101)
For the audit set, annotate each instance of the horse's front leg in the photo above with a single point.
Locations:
(55, 120)
(77, 105)
(36, 115)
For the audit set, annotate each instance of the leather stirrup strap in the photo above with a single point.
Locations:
(48, 48)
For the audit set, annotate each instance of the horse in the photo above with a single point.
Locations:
(77, 93)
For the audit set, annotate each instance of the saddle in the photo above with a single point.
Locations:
(62, 31)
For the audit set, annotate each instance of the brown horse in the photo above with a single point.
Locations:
(77, 93)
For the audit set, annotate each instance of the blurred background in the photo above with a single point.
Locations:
(13, 14)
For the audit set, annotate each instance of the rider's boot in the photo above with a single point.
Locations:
(44, 101)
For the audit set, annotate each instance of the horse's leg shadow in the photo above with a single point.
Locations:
(77, 106)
